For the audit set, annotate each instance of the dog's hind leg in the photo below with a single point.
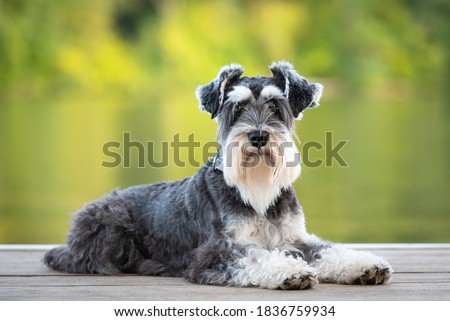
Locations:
(101, 240)
(154, 268)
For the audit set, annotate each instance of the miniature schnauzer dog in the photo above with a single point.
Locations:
(237, 221)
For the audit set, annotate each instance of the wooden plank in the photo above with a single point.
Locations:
(184, 291)
(23, 262)
(421, 273)
(417, 260)
(397, 246)
(138, 280)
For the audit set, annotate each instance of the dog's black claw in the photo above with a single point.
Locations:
(374, 276)
(300, 282)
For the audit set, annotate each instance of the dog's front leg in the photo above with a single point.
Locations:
(338, 264)
(222, 262)
(273, 269)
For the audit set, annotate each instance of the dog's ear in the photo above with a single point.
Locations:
(212, 95)
(298, 91)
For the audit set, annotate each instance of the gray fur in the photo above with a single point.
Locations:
(159, 229)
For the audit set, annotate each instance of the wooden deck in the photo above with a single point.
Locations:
(422, 272)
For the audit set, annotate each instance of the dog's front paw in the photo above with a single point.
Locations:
(374, 275)
(340, 265)
(300, 281)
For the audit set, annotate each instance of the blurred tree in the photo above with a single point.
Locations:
(129, 16)
(77, 73)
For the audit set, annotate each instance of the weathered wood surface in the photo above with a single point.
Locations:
(422, 272)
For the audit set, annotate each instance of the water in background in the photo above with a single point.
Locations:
(72, 80)
(395, 188)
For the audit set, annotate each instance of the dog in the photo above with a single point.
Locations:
(237, 221)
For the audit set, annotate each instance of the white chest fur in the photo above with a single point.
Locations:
(263, 233)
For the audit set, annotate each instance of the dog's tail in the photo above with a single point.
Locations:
(57, 259)
(62, 259)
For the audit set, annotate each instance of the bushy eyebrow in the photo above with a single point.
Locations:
(271, 92)
(240, 94)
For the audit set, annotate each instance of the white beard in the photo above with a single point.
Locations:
(260, 175)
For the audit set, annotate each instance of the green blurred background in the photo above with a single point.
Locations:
(75, 74)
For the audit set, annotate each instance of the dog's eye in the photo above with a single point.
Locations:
(238, 106)
(273, 106)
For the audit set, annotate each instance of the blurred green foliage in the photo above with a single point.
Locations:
(77, 74)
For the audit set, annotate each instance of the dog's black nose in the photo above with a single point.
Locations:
(258, 138)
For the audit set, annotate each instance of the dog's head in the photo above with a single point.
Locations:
(256, 123)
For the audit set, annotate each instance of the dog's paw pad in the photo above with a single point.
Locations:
(374, 275)
(300, 281)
